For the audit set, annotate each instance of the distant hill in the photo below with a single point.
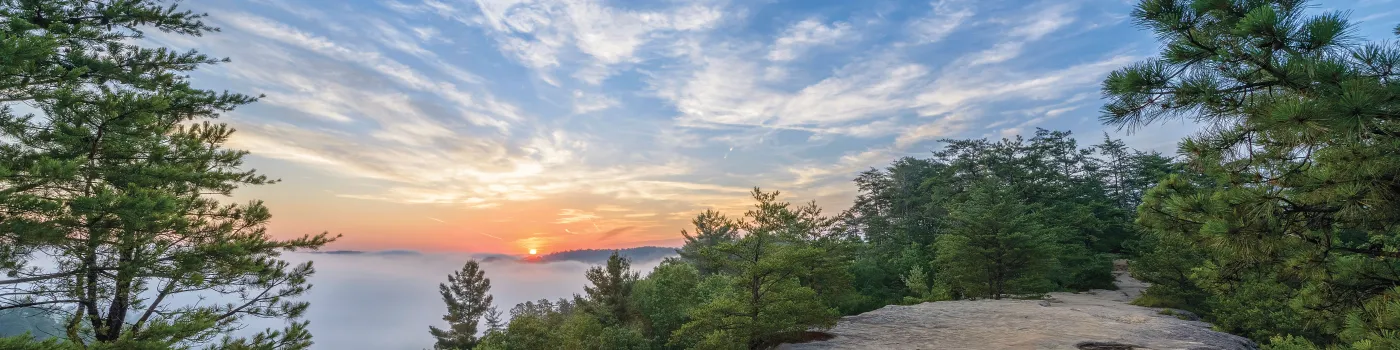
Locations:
(590, 256)
(598, 256)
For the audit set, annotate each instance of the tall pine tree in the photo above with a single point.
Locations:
(711, 229)
(467, 294)
(610, 290)
(110, 177)
(765, 302)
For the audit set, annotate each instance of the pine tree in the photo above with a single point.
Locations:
(610, 290)
(994, 247)
(711, 229)
(467, 294)
(493, 320)
(111, 178)
(1118, 171)
(1300, 218)
(766, 303)
(920, 287)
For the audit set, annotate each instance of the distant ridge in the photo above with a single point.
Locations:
(359, 252)
(590, 256)
(598, 256)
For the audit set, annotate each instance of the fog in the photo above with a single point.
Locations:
(375, 301)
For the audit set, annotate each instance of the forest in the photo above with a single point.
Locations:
(1279, 220)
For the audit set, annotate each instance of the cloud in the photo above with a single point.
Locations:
(588, 103)
(806, 34)
(1030, 29)
(726, 91)
(947, 17)
(540, 33)
(569, 216)
(614, 232)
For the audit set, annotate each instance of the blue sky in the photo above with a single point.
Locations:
(502, 125)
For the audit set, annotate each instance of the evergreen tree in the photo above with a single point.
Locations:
(611, 290)
(994, 247)
(765, 303)
(111, 180)
(920, 287)
(711, 229)
(493, 320)
(1297, 224)
(467, 294)
(897, 213)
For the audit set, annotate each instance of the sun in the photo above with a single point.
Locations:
(533, 252)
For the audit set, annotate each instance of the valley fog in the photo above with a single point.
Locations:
(387, 301)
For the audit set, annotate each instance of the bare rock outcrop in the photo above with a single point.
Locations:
(1095, 320)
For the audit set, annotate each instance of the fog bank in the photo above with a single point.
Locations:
(379, 301)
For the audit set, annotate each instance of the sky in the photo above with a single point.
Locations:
(509, 125)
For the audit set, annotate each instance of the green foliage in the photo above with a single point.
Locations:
(1167, 263)
(711, 229)
(921, 289)
(994, 247)
(666, 297)
(585, 332)
(1084, 197)
(767, 302)
(524, 332)
(113, 180)
(29, 342)
(609, 296)
(468, 299)
(1285, 226)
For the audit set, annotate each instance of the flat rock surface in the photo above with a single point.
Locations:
(1063, 321)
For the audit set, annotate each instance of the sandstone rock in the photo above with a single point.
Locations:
(1095, 320)
(1181, 314)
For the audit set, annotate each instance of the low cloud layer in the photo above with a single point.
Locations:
(373, 301)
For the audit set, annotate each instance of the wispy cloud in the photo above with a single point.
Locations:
(806, 34)
(947, 17)
(614, 232)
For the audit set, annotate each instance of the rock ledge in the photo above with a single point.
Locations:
(1095, 320)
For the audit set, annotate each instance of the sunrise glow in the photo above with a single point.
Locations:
(533, 252)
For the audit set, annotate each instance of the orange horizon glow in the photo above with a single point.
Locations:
(308, 205)
(533, 252)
